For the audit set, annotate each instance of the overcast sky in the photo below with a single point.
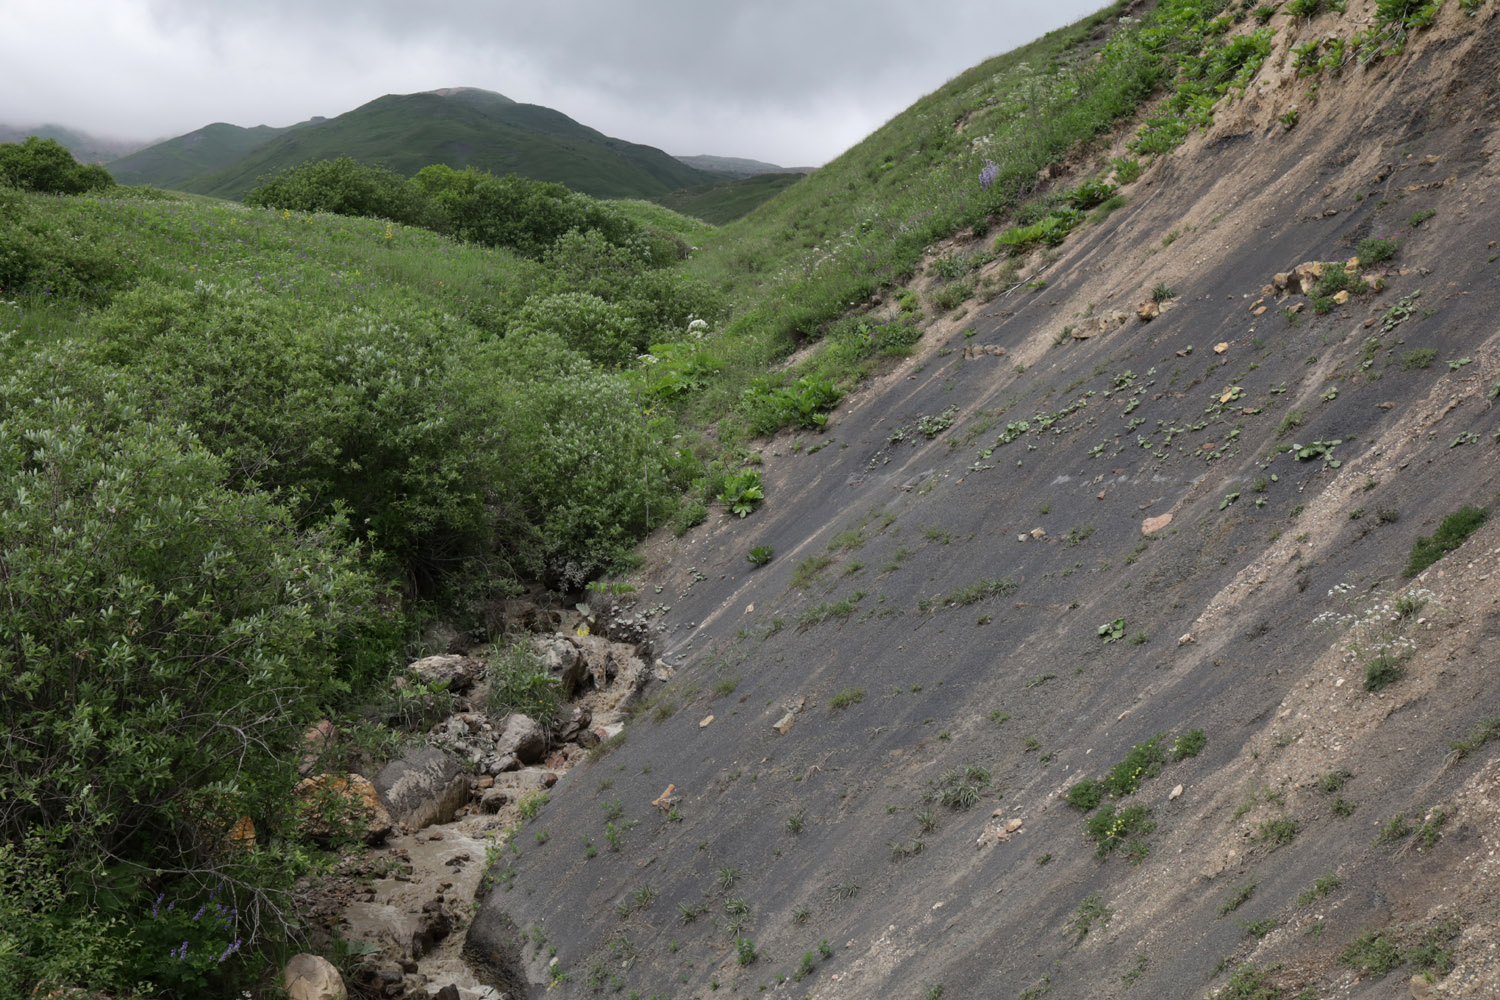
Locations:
(795, 82)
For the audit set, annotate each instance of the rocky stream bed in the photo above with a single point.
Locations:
(435, 819)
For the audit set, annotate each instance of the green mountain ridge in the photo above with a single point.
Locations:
(739, 166)
(459, 127)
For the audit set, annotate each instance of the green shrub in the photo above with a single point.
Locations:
(1144, 761)
(343, 187)
(603, 332)
(37, 257)
(689, 515)
(742, 492)
(960, 787)
(46, 166)
(1126, 168)
(1085, 794)
(1277, 832)
(1377, 250)
(170, 641)
(525, 215)
(1451, 533)
(1109, 829)
(805, 403)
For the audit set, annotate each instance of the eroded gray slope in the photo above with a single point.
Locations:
(1285, 601)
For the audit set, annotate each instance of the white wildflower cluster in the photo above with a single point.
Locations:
(1372, 629)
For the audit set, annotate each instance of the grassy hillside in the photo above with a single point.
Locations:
(738, 167)
(461, 127)
(726, 201)
(178, 162)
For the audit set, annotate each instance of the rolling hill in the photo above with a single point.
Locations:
(176, 163)
(459, 127)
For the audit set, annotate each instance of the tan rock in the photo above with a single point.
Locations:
(1420, 988)
(1038, 533)
(1011, 826)
(1185, 639)
(1221, 347)
(1341, 296)
(333, 805)
(242, 834)
(314, 742)
(784, 724)
(1154, 524)
(1147, 311)
(705, 722)
(1260, 310)
(1282, 280)
(311, 977)
(1174, 793)
(666, 800)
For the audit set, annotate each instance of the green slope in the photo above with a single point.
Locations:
(176, 162)
(727, 200)
(461, 127)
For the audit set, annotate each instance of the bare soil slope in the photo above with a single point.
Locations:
(952, 557)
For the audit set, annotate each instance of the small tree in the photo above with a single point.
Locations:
(46, 165)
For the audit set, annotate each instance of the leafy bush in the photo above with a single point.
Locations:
(804, 403)
(742, 492)
(343, 187)
(1422, 357)
(38, 258)
(1451, 533)
(601, 331)
(46, 166)
(1377, 250)
(1144, 760)
(526, 215)
(168, 640)
(1085, 794)
(1109, 830)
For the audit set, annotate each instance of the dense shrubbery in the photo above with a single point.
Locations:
(46, 166)
(344, 187)
(522, 215)
(38, 257)
(189, 578)
(164, 639)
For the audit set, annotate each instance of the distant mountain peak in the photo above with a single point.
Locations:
(469, 92)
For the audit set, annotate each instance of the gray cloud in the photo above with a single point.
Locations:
(793, 82)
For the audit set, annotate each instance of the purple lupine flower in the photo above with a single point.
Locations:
(199, 915)
(988, 173)
(156, 906)
(182, 952)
